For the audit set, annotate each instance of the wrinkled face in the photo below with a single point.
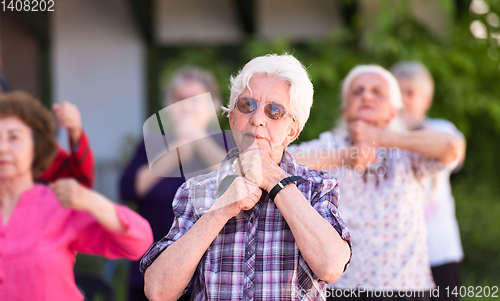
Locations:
(415, 99)
(195, 112)
(368, 100)
(16, 148)
(269, 134)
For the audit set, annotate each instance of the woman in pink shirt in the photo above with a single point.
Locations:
(41, 228)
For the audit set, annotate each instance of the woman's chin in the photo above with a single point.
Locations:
(367, 117)
(6, 176)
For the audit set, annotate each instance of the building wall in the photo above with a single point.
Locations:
(217, 22)
(196, 21)
(297, 19)
(20, 54)
(98, 64)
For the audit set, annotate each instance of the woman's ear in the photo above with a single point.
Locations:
(293, 134)
(230, 116)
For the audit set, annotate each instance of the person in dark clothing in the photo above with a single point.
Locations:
(154, 192)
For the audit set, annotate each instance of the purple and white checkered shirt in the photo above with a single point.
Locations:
(255, 256)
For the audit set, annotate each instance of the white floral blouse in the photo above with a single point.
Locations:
(383, 208)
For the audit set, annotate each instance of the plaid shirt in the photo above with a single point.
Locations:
(255, 256)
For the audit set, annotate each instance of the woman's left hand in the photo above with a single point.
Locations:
(365, 133)
(71, 194)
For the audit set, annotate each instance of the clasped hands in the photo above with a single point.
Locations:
(365, 139)
(256, 170)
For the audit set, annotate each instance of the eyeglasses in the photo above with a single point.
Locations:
(273, 111)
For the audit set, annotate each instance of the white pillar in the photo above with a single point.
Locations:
(98, 63)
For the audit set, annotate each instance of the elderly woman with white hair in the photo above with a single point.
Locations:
(275, 233)
(380, 168)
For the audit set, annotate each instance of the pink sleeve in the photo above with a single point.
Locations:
(92, 238)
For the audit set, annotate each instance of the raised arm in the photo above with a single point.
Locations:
(321, 158)
(439, 145)
(145, 180)
(320, 244)
(81, 158)
(210, 152)
(171, 271)
(81, 162)
(137, 180)
(442, 146)
(72, 195)
(102, 227)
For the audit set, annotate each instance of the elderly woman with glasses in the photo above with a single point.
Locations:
(261, 226)
(380, 167)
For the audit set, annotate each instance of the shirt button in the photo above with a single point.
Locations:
(249, 285)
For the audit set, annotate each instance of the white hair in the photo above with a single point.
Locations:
(395, 99)
(392, 83)
(285, 67)
(414, 71)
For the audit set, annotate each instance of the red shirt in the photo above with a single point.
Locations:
(39, 244)
(79, 164)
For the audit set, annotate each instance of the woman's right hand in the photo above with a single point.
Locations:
(68, 116)
(71, 194)
(242, 194)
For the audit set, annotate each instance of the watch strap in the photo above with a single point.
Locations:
(281, 184)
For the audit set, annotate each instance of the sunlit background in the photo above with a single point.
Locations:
(112, 57)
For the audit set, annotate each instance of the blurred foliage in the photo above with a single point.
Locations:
(467, 76)
(112, 272)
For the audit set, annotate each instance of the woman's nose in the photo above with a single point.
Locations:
(367, 96)
(3, 145)
(258, 118)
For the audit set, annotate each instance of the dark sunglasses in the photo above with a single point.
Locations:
(273, 111)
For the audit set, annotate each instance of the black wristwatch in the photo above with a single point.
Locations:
(281, 184)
